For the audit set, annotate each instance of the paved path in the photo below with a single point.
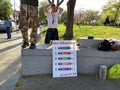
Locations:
(10, 67)
(82, 82)
(10, 64)
(10, 60)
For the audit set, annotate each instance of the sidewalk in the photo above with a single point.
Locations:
(82, 82)
(15, 36)
(10, 83)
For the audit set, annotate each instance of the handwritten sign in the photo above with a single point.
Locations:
(64, 58)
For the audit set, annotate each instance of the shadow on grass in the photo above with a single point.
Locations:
(64, 38)
(114, 26)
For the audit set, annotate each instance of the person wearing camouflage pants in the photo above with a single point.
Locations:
(29, 18)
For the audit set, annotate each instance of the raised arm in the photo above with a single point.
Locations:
(60, 10)
(46, 8)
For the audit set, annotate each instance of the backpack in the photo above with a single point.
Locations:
(114, 72)
(106, 45)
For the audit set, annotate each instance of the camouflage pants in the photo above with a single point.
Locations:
(29, 18)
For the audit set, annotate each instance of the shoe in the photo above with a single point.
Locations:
(25, 44)
(9, 38)
(32, 46)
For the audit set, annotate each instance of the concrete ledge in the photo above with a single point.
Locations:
(90, 60)
(93, 43)
(39, 61)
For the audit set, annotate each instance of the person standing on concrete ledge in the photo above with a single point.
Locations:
(29, 18)
(52, 21)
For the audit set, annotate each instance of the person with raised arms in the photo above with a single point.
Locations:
(52, 22)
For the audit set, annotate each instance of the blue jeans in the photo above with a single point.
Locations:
(51, 34)
(8, 31)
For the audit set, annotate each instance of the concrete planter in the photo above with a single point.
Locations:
(39, 61)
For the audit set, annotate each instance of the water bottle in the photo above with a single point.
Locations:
(102, 72)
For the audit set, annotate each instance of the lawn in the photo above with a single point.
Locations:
(96, 31)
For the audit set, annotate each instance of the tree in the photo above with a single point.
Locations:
(79, 16)
(112, 9)
(90, 16)
(5, 8)
(42, 16)
(64, 16)
(58, 2)
(70, 18)
(117, 10)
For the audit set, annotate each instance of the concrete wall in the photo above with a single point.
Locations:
(39, 61)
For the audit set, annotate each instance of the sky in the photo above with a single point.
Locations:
(80, 4)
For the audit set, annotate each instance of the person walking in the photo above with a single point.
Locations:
(8, 26)
(29, 18)
(52, 21)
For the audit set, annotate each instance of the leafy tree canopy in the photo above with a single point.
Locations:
(5, 8)
(42, 16)
(112, 9)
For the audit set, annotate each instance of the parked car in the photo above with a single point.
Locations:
(15, 27)
(3, 28)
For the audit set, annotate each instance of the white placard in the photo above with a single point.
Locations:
(64, 58)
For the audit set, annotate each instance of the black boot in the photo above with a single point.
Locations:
(32, 46)
(25, 44)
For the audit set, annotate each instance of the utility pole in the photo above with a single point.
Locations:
(14, 11)
(15, 16)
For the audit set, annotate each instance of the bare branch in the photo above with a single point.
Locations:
(59, 3)
(49, 1)
(52, 1)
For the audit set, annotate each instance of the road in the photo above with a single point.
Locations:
(10, 59)
(10, 56)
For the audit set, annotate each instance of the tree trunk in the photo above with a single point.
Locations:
(70, 19)
(116, 15)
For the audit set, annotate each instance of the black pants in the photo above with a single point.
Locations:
(51, 34)
(8, 31)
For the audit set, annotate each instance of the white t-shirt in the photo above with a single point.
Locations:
(52, 19)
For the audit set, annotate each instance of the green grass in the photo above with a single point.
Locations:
(96, 31)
